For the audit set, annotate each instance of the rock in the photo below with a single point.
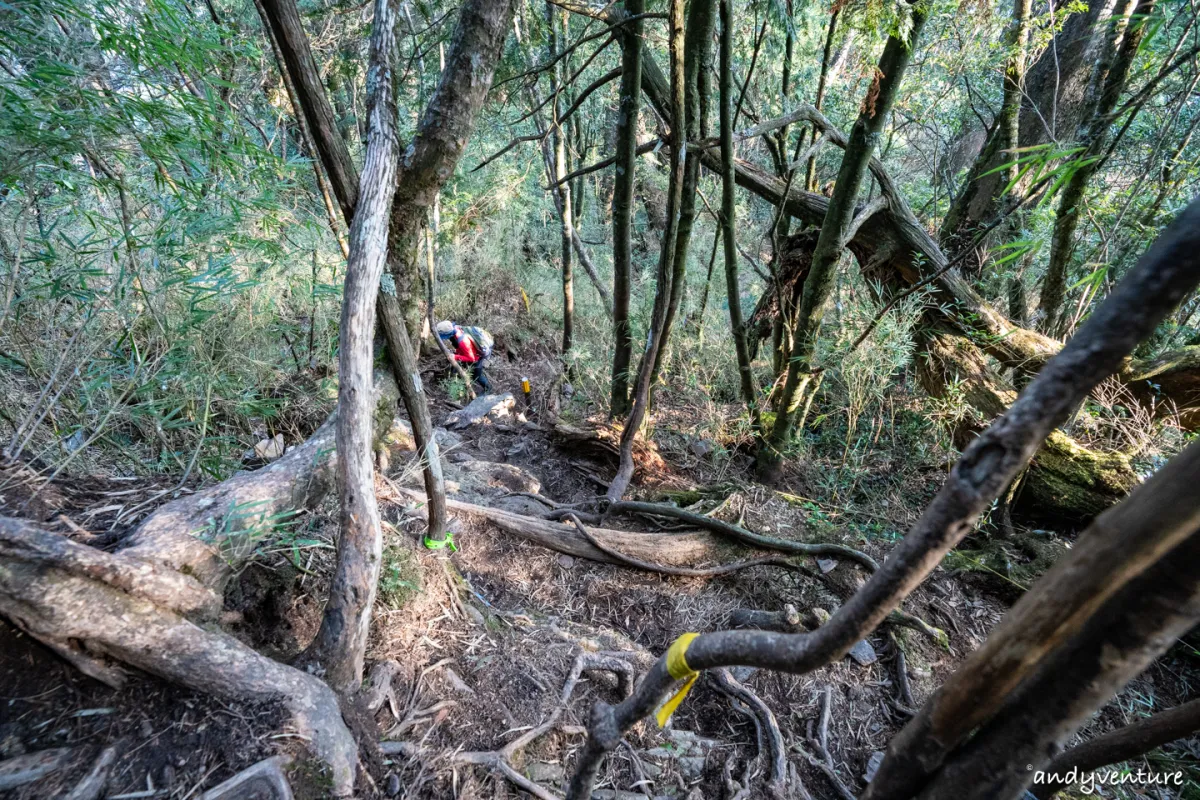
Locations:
(458, 683)
(700, 447)
(652, 770)
(263, 781)
(695, 794)
(475, 615)
(484, 478)
(459, 457)
(691, 767)
(827, 565)
(565, 561)
(543, 772)
(270, 449)
(863, 653)
(525, 506)
(873, 765)
(485, 408)
(742, 674)
(393, 784)
(818, 617)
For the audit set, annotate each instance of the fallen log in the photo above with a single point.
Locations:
(1065, 479)
(669, 549)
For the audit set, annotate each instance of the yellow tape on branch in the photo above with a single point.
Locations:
(677, 668)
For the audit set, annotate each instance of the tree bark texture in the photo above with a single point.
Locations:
(341, 641)
(662, 293)
(623, 184)
(733, 284)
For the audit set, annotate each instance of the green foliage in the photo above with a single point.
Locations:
(399, 576)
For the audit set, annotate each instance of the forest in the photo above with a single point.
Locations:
(695, 399)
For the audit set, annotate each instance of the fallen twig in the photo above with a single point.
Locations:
(92, 785)
(501, 760)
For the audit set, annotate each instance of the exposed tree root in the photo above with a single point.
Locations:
(677, 549)
(150, 604)
(821, 745)
(91, 786)
(501, 760)
(776, 757)
(98, 621)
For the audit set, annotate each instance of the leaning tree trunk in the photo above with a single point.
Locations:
(341, 642)
(831, 242)
(623, 183)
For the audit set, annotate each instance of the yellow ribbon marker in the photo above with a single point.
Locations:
(677, 668)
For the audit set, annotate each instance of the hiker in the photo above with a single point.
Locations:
(469, 345)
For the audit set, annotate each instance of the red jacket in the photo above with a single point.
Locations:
(464, 348)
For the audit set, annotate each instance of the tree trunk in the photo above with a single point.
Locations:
(285, 22)
(341, 642)
(733, 287)
(1117, 551)
(831, 242)
(442, 136)
(662, 293)
(555, 18)
(623, 183)
(1095, 142)
(697, 59)
(1119, 641)
(1055, 94)
(810, 170)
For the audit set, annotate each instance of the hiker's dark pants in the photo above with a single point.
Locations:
(479, 375)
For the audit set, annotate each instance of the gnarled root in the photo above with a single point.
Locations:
(102, 621)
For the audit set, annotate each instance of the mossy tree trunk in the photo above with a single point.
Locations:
(831, 243)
